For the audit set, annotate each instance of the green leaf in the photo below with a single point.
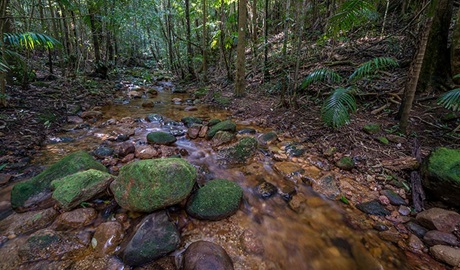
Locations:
(2, 166)
(450, 100)
(321, 75)
(344, 200)
(337, 107)
(372, 66)
(351, 14)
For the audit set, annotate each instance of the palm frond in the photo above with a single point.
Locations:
(450, 100)
(321, 75)
(338, 106)
(30, 40)
(372, 66)
(352, 13)
(3, 66)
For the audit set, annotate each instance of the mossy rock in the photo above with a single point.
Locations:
(162, 138)
(268, 138)
(226, 125)
(441, 175)
(190, 121)
(148, 185)
(383, 140)
(238, 153)
(213, 122)
(371, 128)
(346, 163)
(35, 192)
(222, 137)
(218, 199)
(70, 191)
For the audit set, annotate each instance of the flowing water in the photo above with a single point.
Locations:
(309, 232)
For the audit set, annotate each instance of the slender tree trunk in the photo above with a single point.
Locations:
(3, 26)
(240, 83)
(97, 48)
(222, 39)
(191, 71)
(266, 71)
(205, 43)
(286, 28)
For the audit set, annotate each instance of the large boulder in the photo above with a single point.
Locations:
(226, 125)
(238, 153)
(148, 185)
(218, 199)
(36, 192)
(79, 187)
(155, 237)
(441, 177)
(204, 255)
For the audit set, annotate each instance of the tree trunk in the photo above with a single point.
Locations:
(222, 39)
(97, 49)
(205, 43)
(266, 71)
(240, 83)
(286, 28)
(3, 26)
(191, 71)
(455, 49)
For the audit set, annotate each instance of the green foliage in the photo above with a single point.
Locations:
(336, 109)
(450, 100)
(351, 14)
(371, 67)
(31, 40)
(323, 75)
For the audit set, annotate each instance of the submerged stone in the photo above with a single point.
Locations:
(373, 208)
(204, 255)
(154, 118)
(265, 190)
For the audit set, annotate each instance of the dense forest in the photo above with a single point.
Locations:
(370, 87)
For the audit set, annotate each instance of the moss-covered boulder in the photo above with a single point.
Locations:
(162, 138)
(213, 122)
(268, 138)
(74, 189)
(218, 199)
(226, 125)
(36, 192)
(222, 137)
(148, 185)
(190, 120)
(238, 153)
(441, 175)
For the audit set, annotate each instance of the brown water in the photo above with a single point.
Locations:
(308, 233)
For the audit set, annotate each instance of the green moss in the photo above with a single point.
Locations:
(77, 161)
(159, 137)
(240, 152)
(202, 92)
(190, 120)
(221, 100)
(383, 140)
(226, 125)
(445, 163)
(218, 199)
(213, 122)
(346, 163)
(371, 128)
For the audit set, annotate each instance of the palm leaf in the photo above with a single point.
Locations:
(450, 100)
(352, 13)
(372, 66)
(337, 107)
(321, 75)
(30, 40)
(3, 66)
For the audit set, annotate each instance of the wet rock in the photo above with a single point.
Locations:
(75, 219)
(327, 186)
(204, 255)
(213, 122)
(384, 200)
(203, 131)
(216, 200)
(103, 151)
(74, 189)
(176, 100)
(265, 190)
(158, 183)
(27, 222)
(404, 210)
(371, 128)
(190, 109)
(394, 198)
(51, 245)
(190, 120)
(127, 158)
(439, 219)
(390, 235)
(268, 138)
(155, 237)
(294, 150)
(154, 118)
(446, 254)
(415, 244)
(346, 163)
(193, 131)
(432, 238)
(36, 192)
(373, 208)
(124, 149)
(145, 152)
(238, 153)
(287, 192)
(92, 263)
(247, 131)
(222, 137)
(440, 175)
(162, 138)
(91, 115)
(5, 178)
(74, 120)
(148, 104)
(107, 237)
(251, 243)
(221, 126)
(135, 94)
(380, 227)
(416, 229)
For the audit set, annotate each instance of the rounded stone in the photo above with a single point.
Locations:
(159, 137)
(204, 255)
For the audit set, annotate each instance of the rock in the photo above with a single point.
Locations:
(265, 190)
(216, 200)
(107, 237)
(415, 244)
(203, 131)
(346, 163)
(373, 208)
(251, 243)
(74, 120)
(176, 100)
(74, 189)
(190, 120)
(75, 219)
(415, 228)
(371, 128)
(238, 153)
(145, 152)
(27, 222)
(294, 150)
(36, 192)
(404, 210)
(162, 138)
(148, 185)
(127, 158)
(213, 122)
(268, 138)
(125, 149)
(395, 138)
(222, 137)
(91, 115)
(204, 255)
(194, 131)
(432, 238)
(221, 126)
(103, 151)
(148, 104)
(154, 118)
(440, 175)
(5, 178)
(51, 245)
(380, 227)
(391, 235)
(191, 108)
(247, 131)
(439, 219)
(393, 197)
(327, 186)
(135, 94)
(155, 237)
(446, 254)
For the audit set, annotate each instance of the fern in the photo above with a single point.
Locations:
(450, 100)
(351, 14)
(30, 40)
(321, 75)
(3, 66)
(337, 107)
(372, 66)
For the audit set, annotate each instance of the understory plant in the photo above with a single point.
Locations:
(337, 108)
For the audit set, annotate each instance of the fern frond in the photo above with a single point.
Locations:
(321, 75)
(352, 13)
(337, 107)
(450, 100)
(372, 66)
(30, 40)
(3, 66)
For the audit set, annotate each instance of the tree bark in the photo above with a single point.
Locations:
(205, 43)
(191, 71)
(266, 71)
(240, 83)
(3, 26)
